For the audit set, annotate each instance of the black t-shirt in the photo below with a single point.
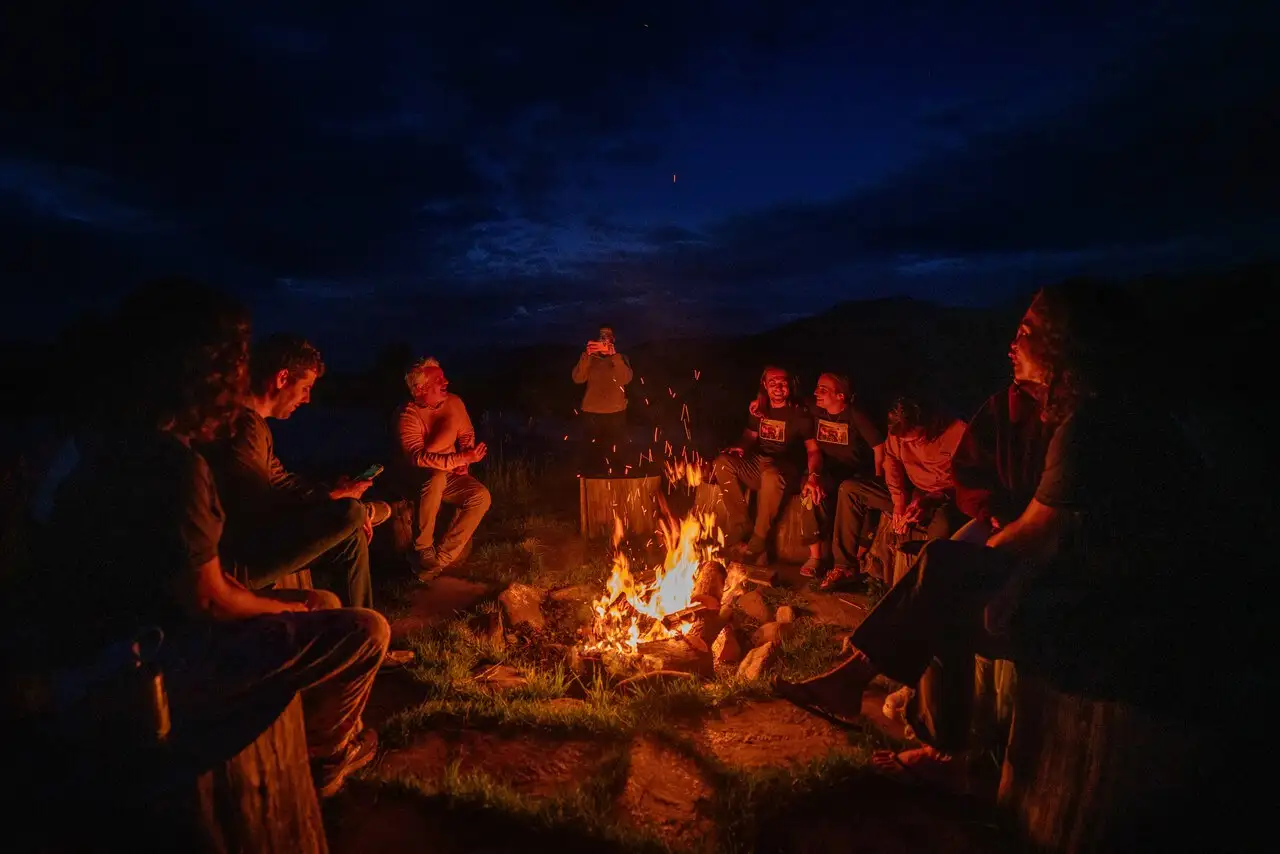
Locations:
(132, 524)
(846, 441)
(1111, 615)
(782, 432)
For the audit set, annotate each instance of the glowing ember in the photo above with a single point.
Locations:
(632, 612)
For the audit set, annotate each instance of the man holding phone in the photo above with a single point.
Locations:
(277, 522)
(606, 373)
(437, 446)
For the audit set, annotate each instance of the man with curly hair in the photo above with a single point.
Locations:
(137, 531)
(1092, 586)
(278, 522)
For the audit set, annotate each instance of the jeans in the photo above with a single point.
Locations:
(327, 536)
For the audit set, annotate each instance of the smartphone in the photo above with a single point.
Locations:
(370, 473)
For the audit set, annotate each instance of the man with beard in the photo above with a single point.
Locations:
(278, 522)
(437, 445)
(774, 445)
(1092, 587)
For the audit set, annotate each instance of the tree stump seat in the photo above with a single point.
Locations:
(300, 580)
(1094, 775)
(241, 784)
(794, 527)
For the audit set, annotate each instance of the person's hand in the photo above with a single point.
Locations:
(367, 527)
(812, 491)
(474, 455)
(754, 409)
(609, 349)
(901, 519)
(348, 488)
(594, 347)
(292, 608)
(733, 451)
(459, 471)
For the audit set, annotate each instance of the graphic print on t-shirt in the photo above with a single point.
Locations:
(833, 432)
(773, 431)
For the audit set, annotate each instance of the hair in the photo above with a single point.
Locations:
(1077, 335)
(793, 389)
(180, 360)
(910, 411)
(418, 368)
(281, 352)
(842, 383)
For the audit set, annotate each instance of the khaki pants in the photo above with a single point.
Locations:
(771, 478)
(464, 492)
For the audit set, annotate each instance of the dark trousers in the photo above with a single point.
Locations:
(927, 629)
(858, 501)
(603, 436)
(327, 536)
(331, 656)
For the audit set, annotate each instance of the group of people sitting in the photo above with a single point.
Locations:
(179, 515)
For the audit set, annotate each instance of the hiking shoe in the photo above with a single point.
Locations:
(330, 774)
(379, 512)
(425, 564)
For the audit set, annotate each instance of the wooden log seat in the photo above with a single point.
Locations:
(1103, 775)
(394, 538)
(242, 785)
(794, 527)
(635, 500)
(300, 580)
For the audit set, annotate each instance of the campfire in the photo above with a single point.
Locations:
(690, 579)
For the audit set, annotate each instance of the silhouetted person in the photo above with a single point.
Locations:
(138, 527)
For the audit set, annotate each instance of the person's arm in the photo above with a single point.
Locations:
(866, 428)
(413, 440)
(877, 454)
(973, 466)
(895, 477)
(204, 589)
(583, 369)
(466, 430)
(1034, 536)
(622, 372)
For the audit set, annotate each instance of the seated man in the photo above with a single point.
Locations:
(767, 460)
(1091, 587)
(917, 466)
(437, 444)
(1000, 458)
(139, 527)
(278, 523)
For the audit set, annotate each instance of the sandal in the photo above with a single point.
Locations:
(809, 569)
(838, 576)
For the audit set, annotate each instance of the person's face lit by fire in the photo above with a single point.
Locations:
(1023, 352)
(430, 387)
(776, 386)
(827, 394)
(291, 392)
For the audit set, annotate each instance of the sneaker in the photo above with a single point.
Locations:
(425, 564)
(379, 512)
(330, 774)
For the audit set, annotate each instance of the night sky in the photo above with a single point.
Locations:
(480, 173)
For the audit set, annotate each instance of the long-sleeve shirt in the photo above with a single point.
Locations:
(249, 475)
(432, 438)
(926, 465)
(998, 463)
(606, 378)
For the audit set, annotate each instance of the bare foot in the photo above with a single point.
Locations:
(922, 765)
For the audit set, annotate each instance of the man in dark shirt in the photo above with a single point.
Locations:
(1092, 585)
(277, 522)
(137, 529)
(774, 445)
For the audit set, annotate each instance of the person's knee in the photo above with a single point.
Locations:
(723, 467)
(480, 499)
(372, 627)
(848, 490)
(322, 600)
(434, 483)
(772, 482)
(352, 512)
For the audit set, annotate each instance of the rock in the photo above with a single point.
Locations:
(773, 633)
(753, 605)
(785, 614)
(587, 593)
(753, 666)
(487, 626)
(523, 606)
(726, 649)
